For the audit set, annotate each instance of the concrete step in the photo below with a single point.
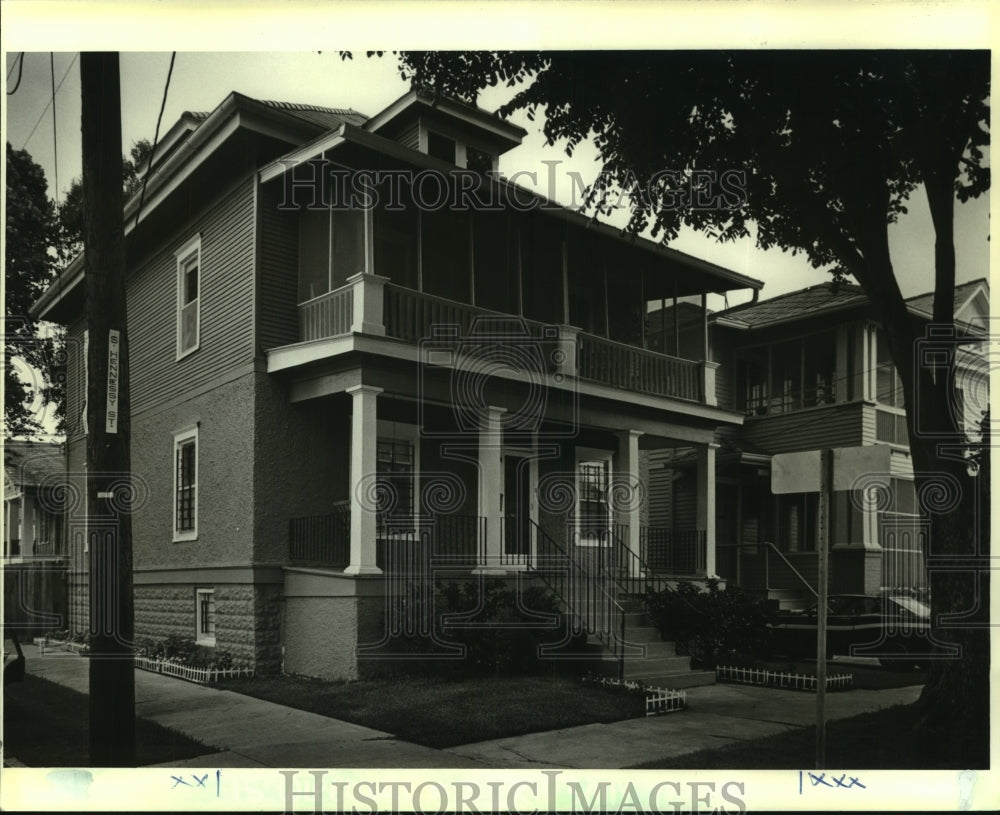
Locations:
(635, 618)
(641, 633)
(656, 665)
(678, 681)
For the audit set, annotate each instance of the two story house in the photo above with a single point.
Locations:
(351, 340)
(810, 370)
(34, 545)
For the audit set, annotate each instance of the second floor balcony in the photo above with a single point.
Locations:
(441, 330)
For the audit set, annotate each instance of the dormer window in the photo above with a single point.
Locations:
(441, 147)
(478, 160)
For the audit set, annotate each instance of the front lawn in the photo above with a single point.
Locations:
(45, 725)
(884, 740)
(447, 712)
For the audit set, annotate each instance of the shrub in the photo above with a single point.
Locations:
(708, 623)
(500, 636)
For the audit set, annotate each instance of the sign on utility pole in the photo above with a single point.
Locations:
(109, 491)
(812, 471)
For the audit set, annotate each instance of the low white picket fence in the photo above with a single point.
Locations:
(203, 676)
(758, 676)
(658, 700)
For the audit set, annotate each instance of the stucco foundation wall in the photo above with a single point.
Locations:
(321, 634)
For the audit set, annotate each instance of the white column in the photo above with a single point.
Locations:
(567, 365)
(628, 469)
(708, 370)
(706, 502)
(367, 307)
(27, 524)
(491, 487)
(364, 429)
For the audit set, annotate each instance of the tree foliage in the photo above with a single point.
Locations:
(830, 145)
(71, 208)
(31, 235)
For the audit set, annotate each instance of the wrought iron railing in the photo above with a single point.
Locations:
(674, 551)
(587, 594)
(321, 540)
(729, 565)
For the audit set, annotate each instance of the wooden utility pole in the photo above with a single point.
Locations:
(109, 495)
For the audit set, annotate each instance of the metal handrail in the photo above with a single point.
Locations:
(768, 546)
(568, 571)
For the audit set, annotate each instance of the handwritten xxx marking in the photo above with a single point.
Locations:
(842, 782)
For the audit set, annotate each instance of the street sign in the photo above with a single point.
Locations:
(796, 472)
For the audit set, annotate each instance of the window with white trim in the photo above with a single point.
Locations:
(186, 485)
(593, 512)
(205, 615)
(188, 296)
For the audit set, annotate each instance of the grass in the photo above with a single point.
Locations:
(885, 740)
(442, 713)
(45, 725)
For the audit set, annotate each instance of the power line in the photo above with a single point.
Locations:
(32, 133)
(156, 138)
(55, 141)
(19, 64)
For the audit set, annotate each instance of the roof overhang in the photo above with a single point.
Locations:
(716, 278)
(188, 146)
(415, 102)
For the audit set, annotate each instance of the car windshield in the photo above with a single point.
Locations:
(911, 605)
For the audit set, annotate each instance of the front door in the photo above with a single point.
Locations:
(517, 508)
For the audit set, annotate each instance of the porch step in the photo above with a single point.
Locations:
(655, 666)
(641, 633)
(678, 681)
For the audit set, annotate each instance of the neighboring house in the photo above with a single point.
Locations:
(319, 390)
(35, 554)
(33, 520)
(811, 370)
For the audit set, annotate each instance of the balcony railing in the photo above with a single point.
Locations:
(636, 369)
(329, 315)
(370, 304)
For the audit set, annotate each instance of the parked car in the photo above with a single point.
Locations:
(892, 627)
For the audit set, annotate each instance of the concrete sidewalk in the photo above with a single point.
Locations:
(248, 732)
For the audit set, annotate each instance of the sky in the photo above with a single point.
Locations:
(201, 80)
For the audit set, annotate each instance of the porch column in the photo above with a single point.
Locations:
(27, 524)
(706, 503)
(364, 430)
(368, 294)
(491, 487)
(628, 469)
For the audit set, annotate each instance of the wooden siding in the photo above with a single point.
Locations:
(277, 309)
(724, 396)
(226, 304)
(832, 426)
(659, 489)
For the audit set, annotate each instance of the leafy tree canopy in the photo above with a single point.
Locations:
(30, 239)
